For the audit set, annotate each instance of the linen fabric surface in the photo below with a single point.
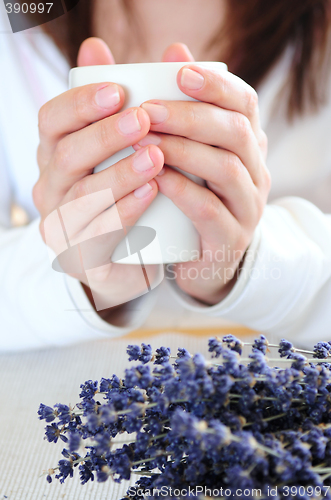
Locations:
(286, 287)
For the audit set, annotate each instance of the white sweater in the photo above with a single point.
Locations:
(285, 287)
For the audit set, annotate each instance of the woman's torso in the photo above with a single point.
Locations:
(34, 71)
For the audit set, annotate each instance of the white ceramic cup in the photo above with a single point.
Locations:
(177, 237)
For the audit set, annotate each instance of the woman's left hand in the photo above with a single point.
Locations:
(220, 140)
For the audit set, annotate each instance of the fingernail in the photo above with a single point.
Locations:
(129, 123)
(156, 112)
(108, 97)
(162, 171)
(150, 139)
(142, 161)
(143, 191)
(192, 80)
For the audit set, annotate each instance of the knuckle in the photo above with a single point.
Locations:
(127, 211)
(98, 228)
(44, 120)
(180, 187)
(260, 202)
(221, 84)
(242, 127)
(259, 208)
(233, 167)
(263, 143)
(252, 100)
(267, 180)
(209, 208)
(42, 231)
(82, 196)
(41, 157)
(120, 176)
(38, 195)
(62, 155)
(104, 134)
(191, 118)
(181, 149)
(80, 103)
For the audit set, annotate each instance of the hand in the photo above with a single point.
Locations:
(78, 130)
(220, 140)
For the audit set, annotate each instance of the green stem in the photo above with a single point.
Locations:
(268, 419)
(326, 476)
(294, 349)
(268, 398)
(258, 445)
(150, 459)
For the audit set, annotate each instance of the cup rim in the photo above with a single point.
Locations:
(150, 64)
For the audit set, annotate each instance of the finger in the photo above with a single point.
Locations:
(94, 245)
(222, 89)
(77, 108)
(210, 125)
(93, 194)
(94, 51)
(128, 210)
(77, 154)
(225, 174)
(207, 212)
(106, 231)
(74, 110)
(177, 52)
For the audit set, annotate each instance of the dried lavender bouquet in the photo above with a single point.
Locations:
(225, 425)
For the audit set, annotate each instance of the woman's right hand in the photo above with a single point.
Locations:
(78, 130)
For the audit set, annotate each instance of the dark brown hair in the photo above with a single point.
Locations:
(255, 35)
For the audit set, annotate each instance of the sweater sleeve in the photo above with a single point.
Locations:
(40, 307)
(284, 288)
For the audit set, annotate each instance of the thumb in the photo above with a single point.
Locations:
(94, 51)
(177, 52)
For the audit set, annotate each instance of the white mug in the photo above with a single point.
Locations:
(178, 239)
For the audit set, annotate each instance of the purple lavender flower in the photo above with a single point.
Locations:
(74, 441)
(89, 389)
(66, 470)
(215, 346)
(143, 354)
(299, 361)
(322, 350)
(260, 344)
(258, 363)
(193, 422)
(53, 433)
(46, 413)
(233, 343)
(107, 414)
(146, 353)
(108, 385)
(285, 348)
(162, 355)
(183, 353)
(63, 413)
(139, 376)
(134, 352)
(86, 473)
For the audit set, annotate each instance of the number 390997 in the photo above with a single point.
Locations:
(31, 8)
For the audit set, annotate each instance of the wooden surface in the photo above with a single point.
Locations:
(239, 331)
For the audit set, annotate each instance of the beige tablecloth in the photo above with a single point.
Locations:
(54, 376)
